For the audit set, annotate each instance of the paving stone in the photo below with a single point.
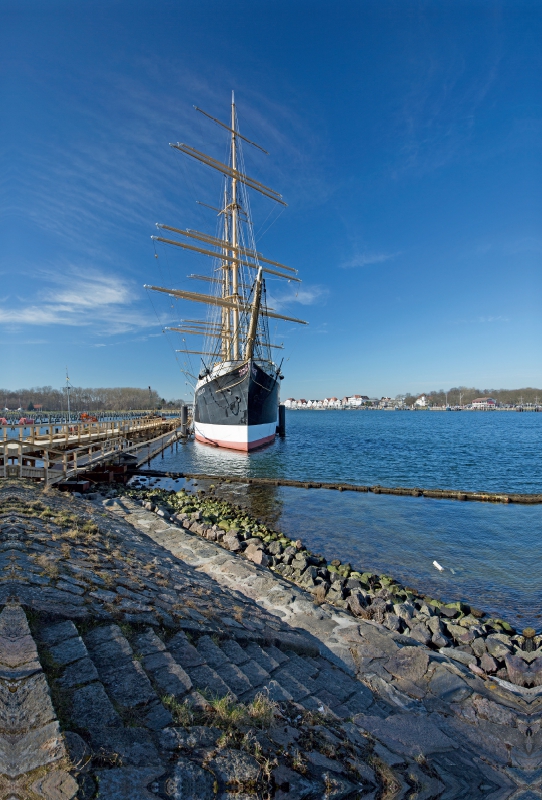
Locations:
(78, 673)
(70, 587)
(156, 717)
(54, 634)
(276, 654)
(68, 651)
(58, 785)
(235, 767)
(255, 674)
(147, 643)
(206, 679)
(448, 686)
(236, 680)
(127, 783)
(189, 781)
(385, 755)
(134, 745)
(360, 702)
(407, 734)
(213, 655)
(184, 652)
(266, 661)
(235, 653)
(127, 684)
(91, 708)
(335, 681)
(108, 646)
(287, 681)
(408, 662)
(172, 679)
(274, 691)
(193, 738)
(79, 752)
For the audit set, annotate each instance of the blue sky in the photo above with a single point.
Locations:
(404, 136)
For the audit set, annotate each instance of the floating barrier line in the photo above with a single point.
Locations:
(443, 494)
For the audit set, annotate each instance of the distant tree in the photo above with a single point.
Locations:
(31, 406)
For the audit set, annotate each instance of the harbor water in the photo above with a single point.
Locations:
(491, 553)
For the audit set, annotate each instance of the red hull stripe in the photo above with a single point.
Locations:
(244, 447)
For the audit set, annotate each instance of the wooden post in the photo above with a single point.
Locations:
(281, 427)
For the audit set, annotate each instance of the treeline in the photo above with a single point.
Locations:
(117, 399)
(463, 395)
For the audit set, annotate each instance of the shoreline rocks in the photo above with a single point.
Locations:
(487, 645)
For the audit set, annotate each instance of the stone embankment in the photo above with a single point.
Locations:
(140, 658)
(489, 646)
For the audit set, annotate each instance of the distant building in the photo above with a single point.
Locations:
(484, 402)
(421, 401)
(356, 400)
(290, 403)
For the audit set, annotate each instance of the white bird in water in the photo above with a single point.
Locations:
(437, 565)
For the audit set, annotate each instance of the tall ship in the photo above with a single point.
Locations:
(237, 391)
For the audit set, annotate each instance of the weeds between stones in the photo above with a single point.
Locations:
(181, 712)
(48, 566)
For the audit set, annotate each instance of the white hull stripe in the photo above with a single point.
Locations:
(238, 437)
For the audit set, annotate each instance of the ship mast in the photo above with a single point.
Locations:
(235, 325)
(234, 224)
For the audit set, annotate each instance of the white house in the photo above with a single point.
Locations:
(356, 400)
(484, 402)
(290, 403)
(421, 401)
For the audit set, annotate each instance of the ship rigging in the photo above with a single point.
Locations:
(237, 391)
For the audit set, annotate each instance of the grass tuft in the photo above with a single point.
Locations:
(181, 712)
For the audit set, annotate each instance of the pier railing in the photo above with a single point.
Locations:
(59, 452)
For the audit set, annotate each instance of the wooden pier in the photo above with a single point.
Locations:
(56, 453)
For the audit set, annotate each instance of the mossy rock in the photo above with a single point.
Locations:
(224, 524)
(332, 568)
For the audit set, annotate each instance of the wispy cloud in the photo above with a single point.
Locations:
(493, 319)
(365, 259)
(105, 303)
(306, 296)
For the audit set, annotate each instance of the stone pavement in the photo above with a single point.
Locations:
(141, 626)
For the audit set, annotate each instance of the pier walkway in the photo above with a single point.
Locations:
(58, 452)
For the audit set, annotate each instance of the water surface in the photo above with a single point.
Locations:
(492, 554)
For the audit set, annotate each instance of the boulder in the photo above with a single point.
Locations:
(421, 633)
(496, 647)
(257, 555)
(356, 604)
(518, 671)
(232, 542)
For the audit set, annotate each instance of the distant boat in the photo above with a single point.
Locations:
(236, 396)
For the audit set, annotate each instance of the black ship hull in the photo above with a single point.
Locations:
(237, 407)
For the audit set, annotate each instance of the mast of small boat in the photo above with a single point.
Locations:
(234, 223)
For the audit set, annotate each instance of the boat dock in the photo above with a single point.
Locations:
(57, 453)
